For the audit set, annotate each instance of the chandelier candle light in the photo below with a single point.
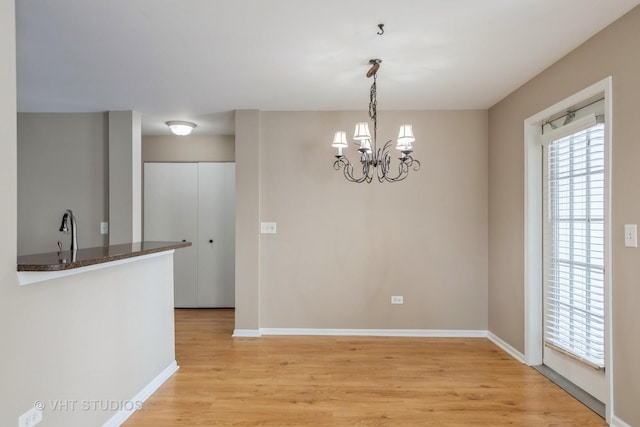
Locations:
(375, 162)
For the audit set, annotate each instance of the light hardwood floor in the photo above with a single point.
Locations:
(348, 381)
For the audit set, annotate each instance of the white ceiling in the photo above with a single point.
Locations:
(199, 60)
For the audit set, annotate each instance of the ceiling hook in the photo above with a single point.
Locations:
(381, 32)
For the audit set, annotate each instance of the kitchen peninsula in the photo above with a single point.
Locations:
(109, 318)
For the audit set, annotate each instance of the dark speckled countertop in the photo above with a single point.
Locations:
(57, 261)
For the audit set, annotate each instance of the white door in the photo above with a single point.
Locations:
(216, 248)
(195, 202)
(574, 255)
(171, 214)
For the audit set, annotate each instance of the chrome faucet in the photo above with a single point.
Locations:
(69, 222)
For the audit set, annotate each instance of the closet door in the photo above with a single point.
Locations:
(216, 247)
(171, 214)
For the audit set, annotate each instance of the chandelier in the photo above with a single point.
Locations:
(375, 162)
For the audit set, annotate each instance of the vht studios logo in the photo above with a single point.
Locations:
(70, 405)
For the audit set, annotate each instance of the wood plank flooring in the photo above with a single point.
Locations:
(348, 381)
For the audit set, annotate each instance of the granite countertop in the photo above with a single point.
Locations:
(65, 260)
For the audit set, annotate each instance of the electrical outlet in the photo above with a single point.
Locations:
(30, 418)
(268, 228)
(104, 228)
(397, 299)
(631, 235)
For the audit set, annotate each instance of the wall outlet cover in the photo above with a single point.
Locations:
(631, 235)
(397, 299)
(268, 227)
(30, 418)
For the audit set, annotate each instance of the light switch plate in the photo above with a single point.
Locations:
(268, 227)
(104, 228)
(631, 235)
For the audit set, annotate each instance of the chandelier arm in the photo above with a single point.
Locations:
(403, 171)
(380, 169)
(348, 173)
(405, 165)
(344, 164)
(384, 173)
(414, 164)
(364, 165)
(384, 162)
(347, 170)
(367, 168)
(402, 174)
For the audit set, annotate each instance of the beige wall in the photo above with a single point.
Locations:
(248, 149)
(343, 249)
(125, 177)
(62, 164)
(192, 148)
(614, 51)
(101, 335)
(10, 310)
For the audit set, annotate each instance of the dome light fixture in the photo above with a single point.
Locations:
(180, 128)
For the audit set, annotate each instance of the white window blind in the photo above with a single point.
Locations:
(574, 241)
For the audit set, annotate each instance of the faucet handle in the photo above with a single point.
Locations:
(64, 227)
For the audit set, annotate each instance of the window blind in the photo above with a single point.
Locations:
(574, 241)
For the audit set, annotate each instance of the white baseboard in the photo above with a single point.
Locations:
(427, 333)
(121, 416)
(506, 347)
(246, 333)
(617, 422)
(423, 333)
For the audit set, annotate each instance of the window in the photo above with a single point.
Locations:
(574, 221)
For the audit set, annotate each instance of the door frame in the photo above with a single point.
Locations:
(533, 300)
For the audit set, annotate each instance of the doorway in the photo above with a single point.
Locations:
(573, 250)
(567, 241)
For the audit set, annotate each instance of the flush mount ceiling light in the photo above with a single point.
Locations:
(181, 128)
(375, 162)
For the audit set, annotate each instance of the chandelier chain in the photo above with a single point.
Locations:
(373, 108)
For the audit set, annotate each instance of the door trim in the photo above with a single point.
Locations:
(533, 346)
